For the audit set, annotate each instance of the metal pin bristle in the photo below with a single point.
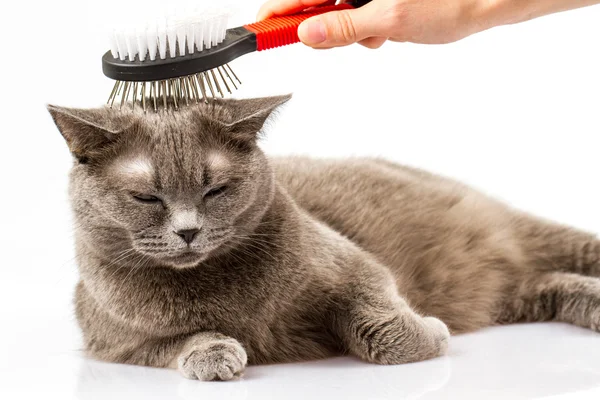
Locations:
(202, 88)
(238, 79)
(153, 87)
(176, 92)
(210, 86)
(144, 96)
(173, 93)
(194, 89)
(217, 83)
(224, 81)
(124, 98)
(135, 93)
(187, 91)
(163, 86)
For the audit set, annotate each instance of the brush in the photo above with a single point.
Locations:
(183, 58)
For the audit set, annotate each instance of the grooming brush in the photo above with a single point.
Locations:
(184, 58)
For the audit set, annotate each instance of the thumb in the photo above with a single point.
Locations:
(337, 28)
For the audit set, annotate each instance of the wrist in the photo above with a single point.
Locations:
(492, 13)
(488, 14)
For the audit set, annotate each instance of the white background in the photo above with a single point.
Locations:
(513, 111)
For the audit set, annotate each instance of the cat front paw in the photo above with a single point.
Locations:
(218, 360)
(412, 340)
(440, 333)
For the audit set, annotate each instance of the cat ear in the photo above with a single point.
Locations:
(87, 131)
(250, 115)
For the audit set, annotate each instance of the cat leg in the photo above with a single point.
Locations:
(378, 326)
(205, 356)
(554, 247)
(555, 296)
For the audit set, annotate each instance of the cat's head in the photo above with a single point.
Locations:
(175, 187)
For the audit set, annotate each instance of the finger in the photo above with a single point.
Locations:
(339, 28)
(327, 3)
(283, 7)
(374, 42)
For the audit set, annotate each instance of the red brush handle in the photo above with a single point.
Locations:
(281, 31)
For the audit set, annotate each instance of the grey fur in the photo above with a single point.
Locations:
(296, 258)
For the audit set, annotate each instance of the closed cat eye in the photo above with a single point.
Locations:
(216, 191)
(146, 198)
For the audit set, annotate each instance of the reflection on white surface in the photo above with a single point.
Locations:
(512, 362)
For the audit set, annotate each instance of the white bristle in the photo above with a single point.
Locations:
(207, 36)
(223, 29)
(114, 49)
(181, 38)
(172, 40)
(162, 38)
(199, 36)
(190, 40)
(150, 28)
(152, 41)
(121, 45)
(142, 42)
(131, 44)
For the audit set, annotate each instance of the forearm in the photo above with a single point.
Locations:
(505, 12)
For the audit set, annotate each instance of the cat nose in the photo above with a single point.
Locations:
(187, 234)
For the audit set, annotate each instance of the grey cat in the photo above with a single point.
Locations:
(197, 252)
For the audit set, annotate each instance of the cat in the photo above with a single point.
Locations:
(199, 253)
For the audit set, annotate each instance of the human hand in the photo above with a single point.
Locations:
(417, 21)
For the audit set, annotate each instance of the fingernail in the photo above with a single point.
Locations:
(312, 32)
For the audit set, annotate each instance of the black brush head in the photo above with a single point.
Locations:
(238, 41)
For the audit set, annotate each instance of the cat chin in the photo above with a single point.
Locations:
(183, 260)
